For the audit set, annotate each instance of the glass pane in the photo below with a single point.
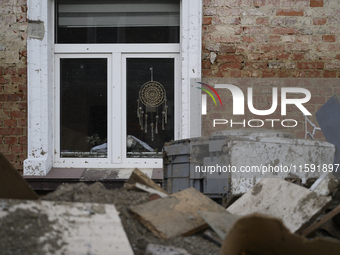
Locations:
(83, 107)
(150, 105)
(117, 21)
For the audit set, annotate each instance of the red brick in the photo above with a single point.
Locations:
(316, 3)
(22, 71)
(206, 64)
(284, 73)
(206, 73)
(18, 79)
(258, 3)
(235, 73)
(268, 74)
(11, 140)
(274, 2)
(329, 74)
(297, 56)
(17, 149)
(226, 66)
(310, 65)
(274, 38)
(256, 30)
(328, 47)
(271, 47)
(11, 131)
(22, 122)
(262, 21)
(285, 31)
(17, 114)
(10, 70)
(257, 65)
(282, 56)
(22, 139)
(225, 39)
(10, 123)
(3, 97)
(3, 80)
(289, 12)
(254, 56)
(328, 38)
(207, 20)
(227, 49)
(22, 105)
(248, 39)
(229, 58)
(338, 57)
(319, 21)
(313, 74)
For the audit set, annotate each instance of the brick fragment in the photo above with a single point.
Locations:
(289, 12)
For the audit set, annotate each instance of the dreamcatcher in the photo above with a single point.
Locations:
(153, 96)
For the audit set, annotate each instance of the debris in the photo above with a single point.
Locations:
(296, 206)
(12, 185)
(61, 228)
(326, 184)
(176, 214)
(259, 234)
(220, 222)
(139, 176)
(316, 225)
(122, 198)
(140, 187)
(157, 249)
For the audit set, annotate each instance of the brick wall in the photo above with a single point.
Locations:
(13, 80)
(273, 39)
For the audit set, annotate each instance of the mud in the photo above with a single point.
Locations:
(138, 235)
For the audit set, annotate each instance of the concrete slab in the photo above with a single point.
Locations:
(296, 206)
(64, 228)
(325, 185)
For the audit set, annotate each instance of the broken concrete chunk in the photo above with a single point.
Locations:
(259, 234)
(325, 185)
(158, 249)
(296, 206)
(46, 227)
(138, 176)
(176, 214)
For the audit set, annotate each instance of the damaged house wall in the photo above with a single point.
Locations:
(13, 80)
(272, 39)
(241, 39)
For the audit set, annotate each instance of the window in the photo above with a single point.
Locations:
(174, 34)
(117, 67)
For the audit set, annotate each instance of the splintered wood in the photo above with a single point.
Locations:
(138, 176)
(176, 214)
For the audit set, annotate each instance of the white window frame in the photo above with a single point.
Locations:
(41, 53)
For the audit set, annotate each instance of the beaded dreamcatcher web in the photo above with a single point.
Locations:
(152, 96)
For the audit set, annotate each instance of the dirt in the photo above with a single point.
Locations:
(138, 235)
(21, 232)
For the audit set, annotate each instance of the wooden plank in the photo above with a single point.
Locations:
(176, 214)
(220, 222)
(12, 185)
(139, 176)
(323, 220)
(296, 206)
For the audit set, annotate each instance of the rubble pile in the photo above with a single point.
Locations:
(274, 217)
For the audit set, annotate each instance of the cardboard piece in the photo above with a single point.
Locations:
(12, 185)
(176, 214)
(220, 222)
(138, 176)
(77, 228)
(141, 187)
(296, 206)
(259, 234)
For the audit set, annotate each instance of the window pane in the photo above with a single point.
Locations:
(150, 105)
(117, 21)
(83, 107)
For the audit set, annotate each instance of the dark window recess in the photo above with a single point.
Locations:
(147, 132)
(83, 107)
(114, 21)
